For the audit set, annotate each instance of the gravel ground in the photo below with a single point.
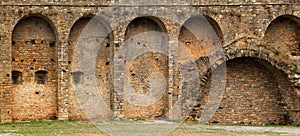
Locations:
(276, 129)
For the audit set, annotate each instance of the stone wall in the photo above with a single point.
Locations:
(86, 34)
(265, 30)
(146, 32)
(155, 2)
(33, 52)
(255, 93)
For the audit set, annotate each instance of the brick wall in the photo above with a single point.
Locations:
(254, 95)
(89, 36)
(143, 68)
(33, 50)
(245, 29)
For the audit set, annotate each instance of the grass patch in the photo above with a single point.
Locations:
(48, 128)
(72, 128)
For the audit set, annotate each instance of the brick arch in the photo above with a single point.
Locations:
(100, 18)
(283, 35)
(261, 54)
(217, 23)
(138, 35)
(284, 15)
(279, 91)
(275, 16)
(193, 34)
(127, 19)
(217, 27)
(156, 22)
(93, 31)
(83, 29)
(253, 47)
(214, 21)
(200, 40)
(249, 47)
(280, 13)
(34, 47)
(37, 15)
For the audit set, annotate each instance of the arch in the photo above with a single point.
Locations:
(200, 41)
(216, 28)
(91, 32)
(253, 47)
(143, 33)
(152, 23)
(85, 24)
(256, 93)
(32, 17)
(201, 35)
(34, 48)
(283, 35)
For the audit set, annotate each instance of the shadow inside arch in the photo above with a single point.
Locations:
(256, 93)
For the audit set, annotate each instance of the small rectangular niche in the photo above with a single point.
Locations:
(41, 77)
(77, 77)
(16, 77)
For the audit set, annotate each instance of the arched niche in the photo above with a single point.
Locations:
(91, 47)
(199, 39)
(256, 93)
(145, 67)
(283, 35)
(34, 48)
(201, 35)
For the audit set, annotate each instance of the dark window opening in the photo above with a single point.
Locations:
(78, 77)
(52, 44)
(32, 41)
(41, 77)
(16, 77)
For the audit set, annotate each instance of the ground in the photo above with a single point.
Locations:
(70, 128)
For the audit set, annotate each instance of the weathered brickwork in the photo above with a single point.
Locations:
(33, 51)
(145, 67)
(254, 94)
(43, 71)
(91, 32)
(200, 35)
